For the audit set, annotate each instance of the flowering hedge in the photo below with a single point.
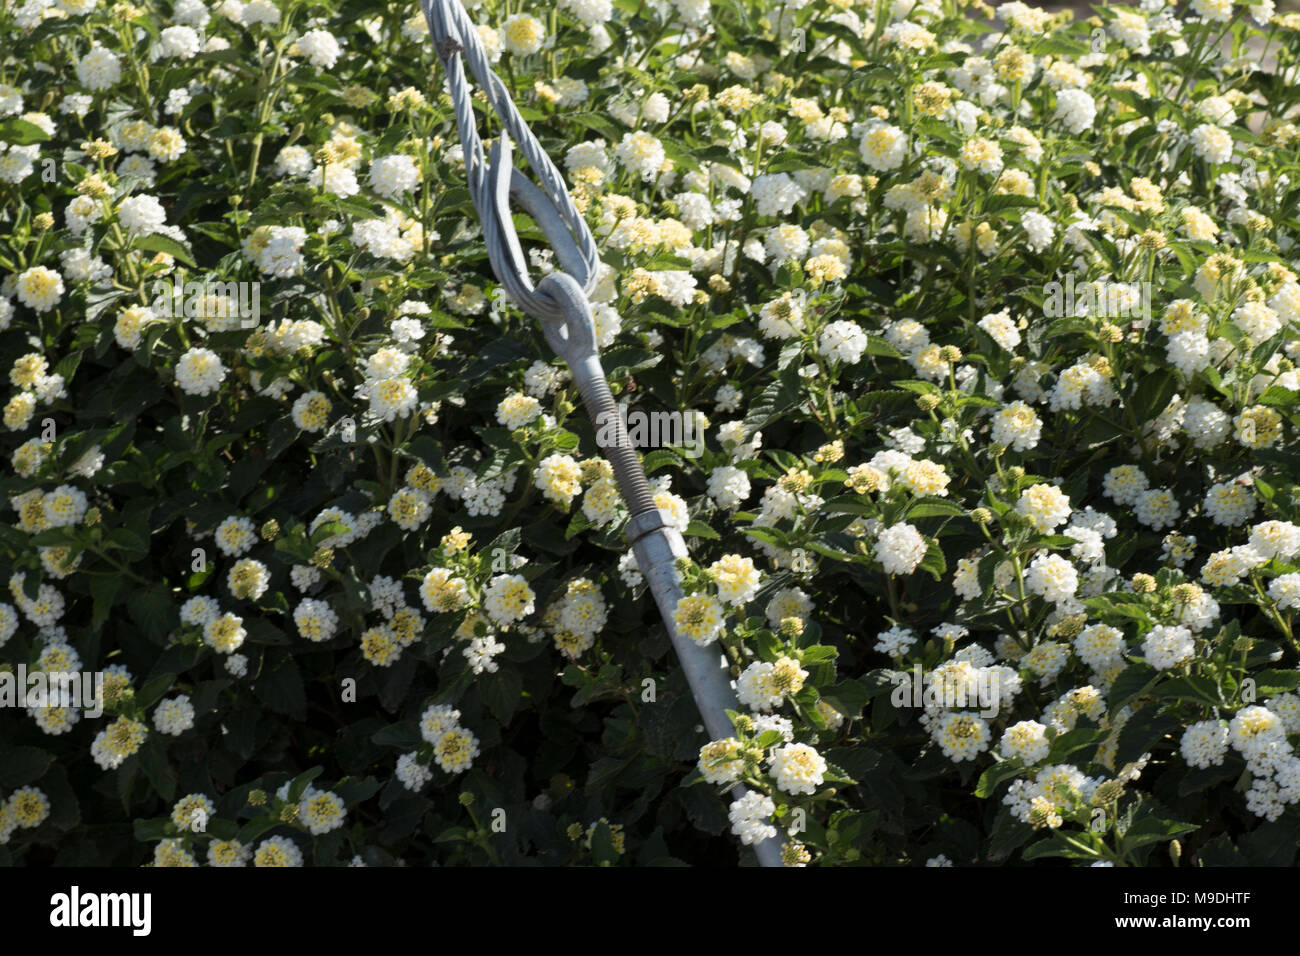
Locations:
(990, 325)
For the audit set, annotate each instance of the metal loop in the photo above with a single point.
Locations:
(570, 329)
(493, 185)
(505, 183)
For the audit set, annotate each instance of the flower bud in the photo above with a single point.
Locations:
(794, 854)
(1143, 583)
(1108, 792)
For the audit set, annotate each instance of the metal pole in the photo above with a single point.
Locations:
(559, 302)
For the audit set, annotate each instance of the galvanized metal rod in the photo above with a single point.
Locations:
(656, 544)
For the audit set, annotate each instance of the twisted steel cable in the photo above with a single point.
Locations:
(455, 36)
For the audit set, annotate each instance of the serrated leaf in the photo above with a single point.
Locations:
(1057, 845)
(1272, 682)
(1194, 688)
(1131, 682)
(935, 508)
(1144, 730)
(157, 242)
(698, 529)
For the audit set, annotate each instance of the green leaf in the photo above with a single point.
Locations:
(1272, 844)
(848, 697)
(403, 736)
(577, 524)
(1059, 845)
(147, 831)
(1194, 688)
(1152, 830)
(698, 529)
(1076, 740)
(65, 809)
(1278, 395)
(836, 774)
(878, 346)
(788, 162)
(1153, 394)
(995, 774)
(660, 458)
(602, 844)
(356, 791)
(502, 692)
(1196, 779)
(775, 400)
(299, 783)
(326, 531)
(261, 631)
(157, 242)
(1112, 605)
(104, 589)
(1144, 730)
(153, 691)
(126, 775)
(20, 132)
(153, 761)
(1133, 681)
(280, 688)
(1008, 834)
(1272, 682)
(146, 23)
(935, 508)
(1220, 852)
(934, 561)
(151, 609)
(253, 829)
(20, 766)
